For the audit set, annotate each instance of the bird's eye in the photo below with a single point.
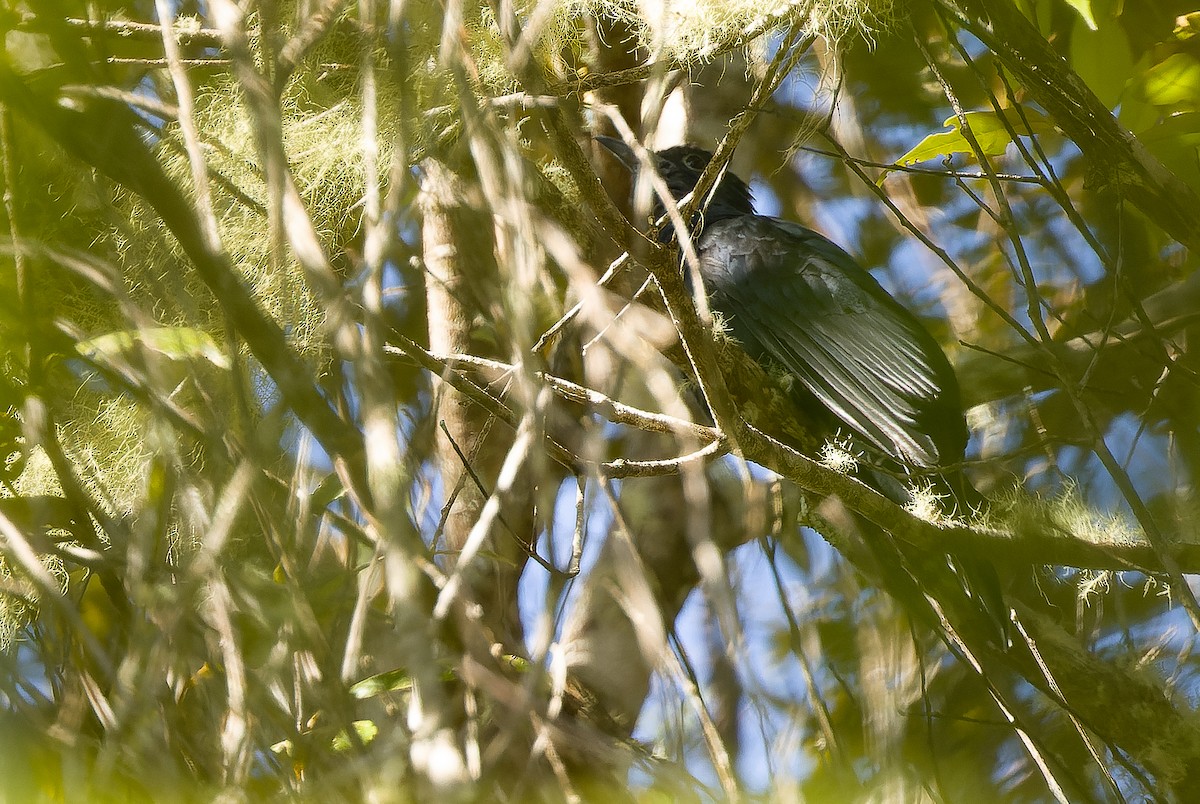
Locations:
(695, 162)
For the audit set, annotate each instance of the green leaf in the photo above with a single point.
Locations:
(1187, 26)
(1183, 129)
(389, 681)
(175, 343)
(1175, 141)
(365, 729)
(1084, 7)
(1103, 59)
(1174, 82)
(989, 131)
(398, 680)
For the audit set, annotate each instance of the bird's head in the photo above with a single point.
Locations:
(680, 167)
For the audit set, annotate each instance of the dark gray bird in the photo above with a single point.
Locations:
(796, 302)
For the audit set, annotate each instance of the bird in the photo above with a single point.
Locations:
(800, 305)
(795, 301)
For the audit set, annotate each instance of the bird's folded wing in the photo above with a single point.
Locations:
(826, 322)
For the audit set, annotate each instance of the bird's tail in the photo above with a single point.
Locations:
(976, 575)
(967, 500)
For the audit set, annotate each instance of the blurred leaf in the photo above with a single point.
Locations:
(399, 680)
(1174, 82)
(1102, 58)
(1182, 128)
(389, 681)
(1135, 114)
(1187, 26)
(1175, 141)
(365, 729)
(989, 130)
(1084, 7)
(174, 343)
(1040, 13)
(39, 511)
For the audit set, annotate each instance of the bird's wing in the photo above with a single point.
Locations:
(789, 294)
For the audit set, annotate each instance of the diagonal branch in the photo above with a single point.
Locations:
(1118, 161)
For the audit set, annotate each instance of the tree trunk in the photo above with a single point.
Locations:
(461, 279)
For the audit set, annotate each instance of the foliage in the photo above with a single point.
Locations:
(273, 281)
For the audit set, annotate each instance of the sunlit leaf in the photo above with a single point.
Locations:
(175, 343)
(518, 663)
(989, 130)
(1175, 141)
(390, 681)
(1084, 7)
(1173, 82)
(397, 680)
(365, 729)
(1102, 58)
(1183, 129)
(1187, 26)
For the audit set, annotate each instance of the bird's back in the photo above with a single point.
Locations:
(793, 298)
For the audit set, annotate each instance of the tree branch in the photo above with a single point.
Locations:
(1118, 161)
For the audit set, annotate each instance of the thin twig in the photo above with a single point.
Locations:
(632, 75)
(613, 269)
(184, 34)
(895, 167)
(163, 62)
(315, 25)
(529, 548)
(1034, 309)
(620, 412)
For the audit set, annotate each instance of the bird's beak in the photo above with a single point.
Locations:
(621, 151)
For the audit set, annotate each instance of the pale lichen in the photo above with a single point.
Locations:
(839, 455)
(924, 502)
(687, 32)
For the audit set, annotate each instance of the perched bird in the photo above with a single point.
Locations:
(796, 302)
(801, 306)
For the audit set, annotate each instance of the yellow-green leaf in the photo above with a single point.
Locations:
(1084, 7)
(1175, 141)
(1174, 82)
(365, 729)
(175, 343)
(989, 130)
(1187, 26)
(390, 681)
(1103, 59)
